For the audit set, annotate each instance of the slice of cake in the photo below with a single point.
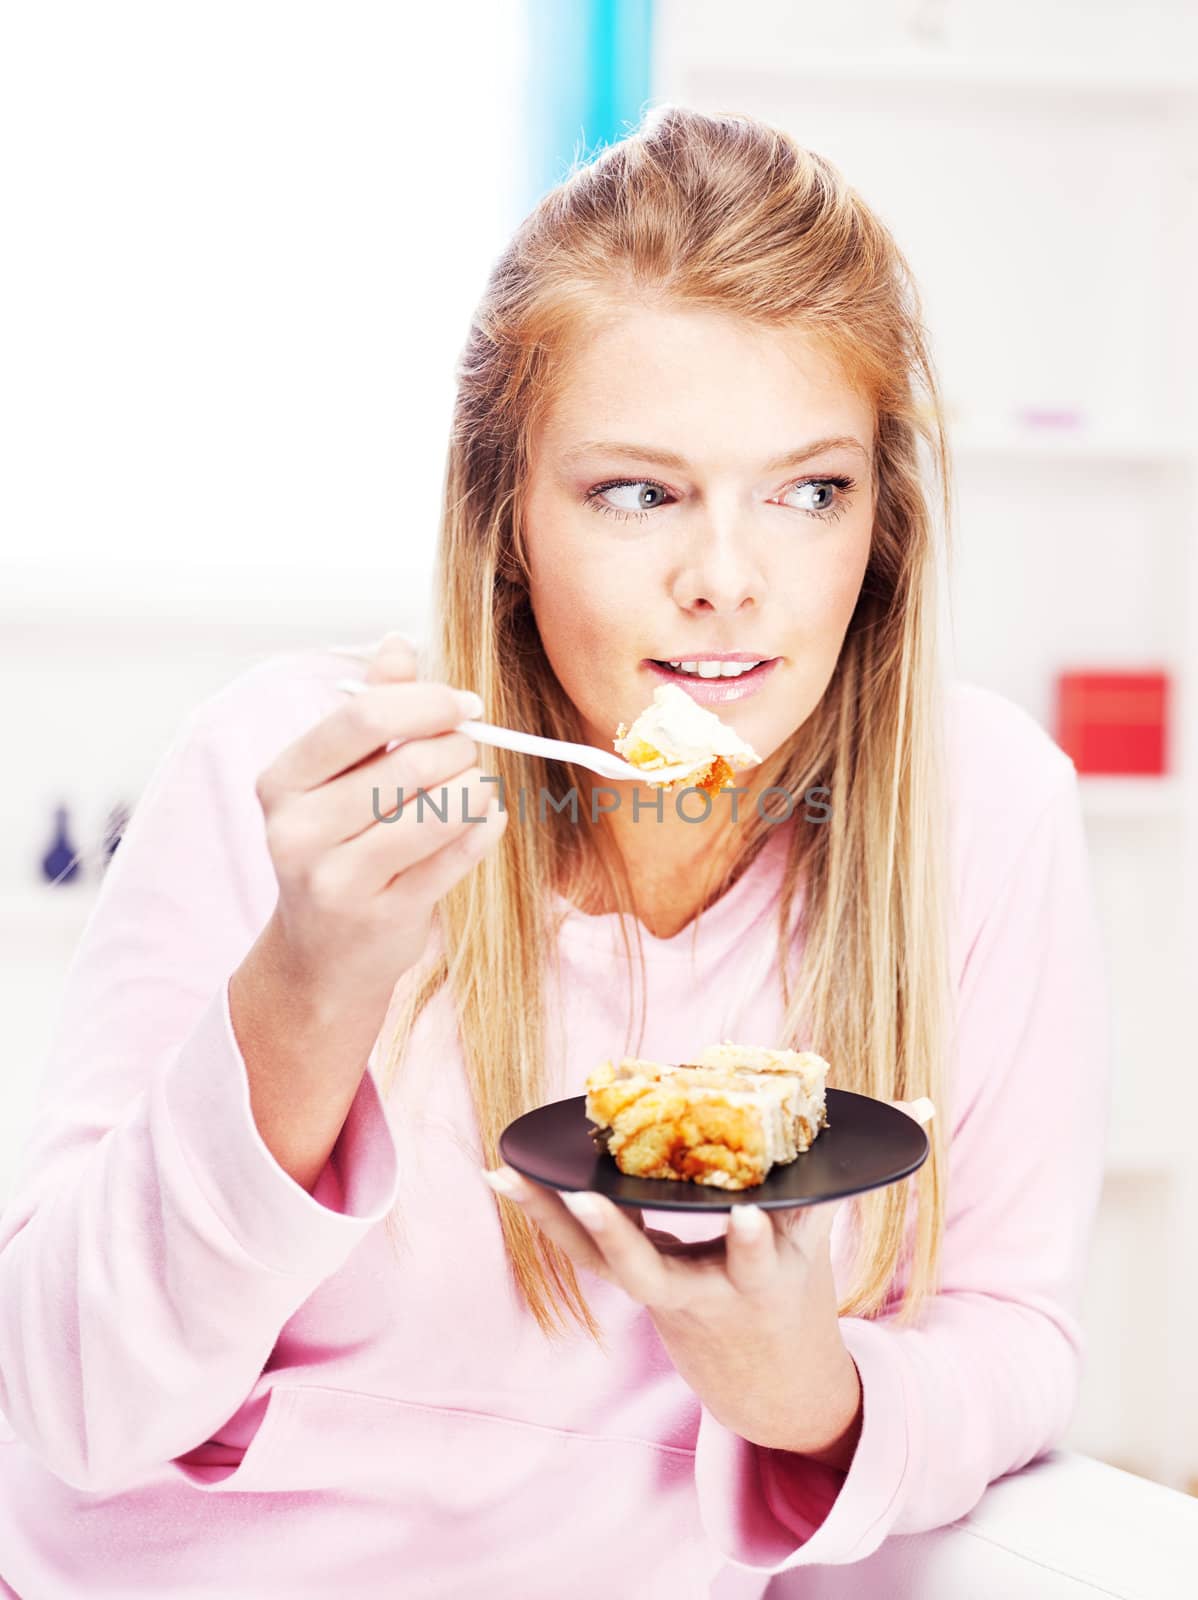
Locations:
(724, 1120)
(675, 730)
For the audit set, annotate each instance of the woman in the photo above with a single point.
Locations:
(692, 420)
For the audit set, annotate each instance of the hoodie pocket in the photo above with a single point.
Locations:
(469, 1498)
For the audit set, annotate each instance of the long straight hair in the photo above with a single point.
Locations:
(724, 213)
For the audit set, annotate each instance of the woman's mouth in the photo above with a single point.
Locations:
(714, 681)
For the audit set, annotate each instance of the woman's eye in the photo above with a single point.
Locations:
(820, 496)
(637, 497)
(629, 497)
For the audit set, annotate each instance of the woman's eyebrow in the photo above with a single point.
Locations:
(670, 458)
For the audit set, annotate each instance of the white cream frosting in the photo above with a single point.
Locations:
(684, 732)
(809, 1068)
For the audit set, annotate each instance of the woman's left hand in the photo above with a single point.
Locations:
(750, 1319)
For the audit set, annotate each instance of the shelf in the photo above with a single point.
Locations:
(1142, 1153)
(274, 603)
(1145, 797)
(928, 69)
(38, 911)
(983, 442)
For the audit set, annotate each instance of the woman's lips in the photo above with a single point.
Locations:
(716, 691)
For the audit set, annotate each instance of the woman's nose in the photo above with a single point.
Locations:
(719, 572)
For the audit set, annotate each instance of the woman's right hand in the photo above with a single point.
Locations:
(356, 895)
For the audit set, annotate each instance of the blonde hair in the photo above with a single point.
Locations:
(728, 214)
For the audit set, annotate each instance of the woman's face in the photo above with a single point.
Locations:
(703, 488)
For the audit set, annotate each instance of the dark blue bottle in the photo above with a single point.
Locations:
(60, 864)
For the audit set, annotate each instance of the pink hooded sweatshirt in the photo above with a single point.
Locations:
(215, 1383)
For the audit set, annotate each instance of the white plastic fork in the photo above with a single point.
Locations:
(533, 744)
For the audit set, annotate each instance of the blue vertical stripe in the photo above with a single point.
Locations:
(588, 81)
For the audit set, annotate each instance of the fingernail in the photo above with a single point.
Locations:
(922, 1109)
(504, 1182)
(586, 1207)
(470, 704)
(747, 1221)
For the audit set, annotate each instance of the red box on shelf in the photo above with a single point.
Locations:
(1113, 722)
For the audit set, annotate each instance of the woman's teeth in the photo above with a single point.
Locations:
(714, 669)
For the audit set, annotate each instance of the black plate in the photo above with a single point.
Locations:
(866, 1144)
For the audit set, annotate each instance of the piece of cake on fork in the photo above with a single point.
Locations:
(676, 730)
(724, 1119)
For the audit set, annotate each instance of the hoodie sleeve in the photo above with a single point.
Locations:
(986, 1379)
(151, 1248)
